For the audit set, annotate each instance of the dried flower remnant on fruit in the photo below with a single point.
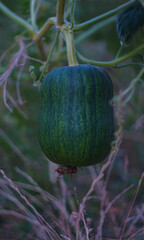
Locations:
(68, 170)
(129, 21)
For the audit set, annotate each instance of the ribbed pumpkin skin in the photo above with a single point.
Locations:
(76, 122)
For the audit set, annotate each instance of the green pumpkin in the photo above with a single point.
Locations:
(76, 122)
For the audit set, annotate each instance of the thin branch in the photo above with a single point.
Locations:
(117, 197)
(85, 226)
(20, 216)
(37, 214)
(100, 176)
(133, 82)
(13, 147)
(135, 220)
(65, 237)
(23, 62)
(140, 230)
(14, 103)
(44, 195)
(17, 19)
(33, 59)
(130, 89)
(131, 206)
(39, 227)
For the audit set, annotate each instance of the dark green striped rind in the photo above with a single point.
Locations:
(76, 122)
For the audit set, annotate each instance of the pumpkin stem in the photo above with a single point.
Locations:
(69, 38)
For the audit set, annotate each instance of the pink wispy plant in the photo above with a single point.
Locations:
(17, 61)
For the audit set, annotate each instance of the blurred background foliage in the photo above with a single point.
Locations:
(19, 147)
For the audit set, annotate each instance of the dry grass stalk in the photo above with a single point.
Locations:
(49, 229)
(131, 205)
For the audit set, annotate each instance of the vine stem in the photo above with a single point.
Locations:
(49, 56)
(114, 62)
(119, 51)
(93, 30)
(40, 48)
(60, 12)
(102, 17)
(45, 28)
(37, 8)
(72, 14)
(32, 13)
(17, 19)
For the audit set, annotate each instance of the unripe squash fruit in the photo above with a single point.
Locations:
(76, 122)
